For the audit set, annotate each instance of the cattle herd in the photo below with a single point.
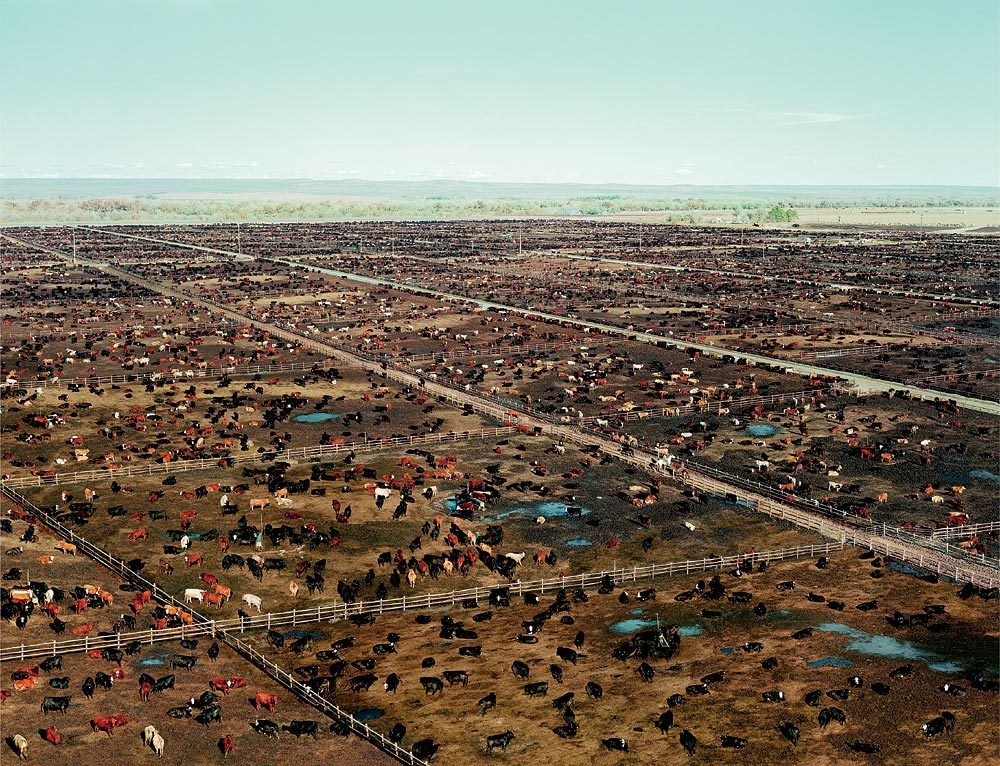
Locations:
(334, 495)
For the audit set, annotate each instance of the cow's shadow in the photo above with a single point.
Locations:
(12, 746)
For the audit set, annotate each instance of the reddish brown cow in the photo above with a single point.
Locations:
(265, 701)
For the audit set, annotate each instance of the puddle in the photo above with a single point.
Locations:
(578, 542)
(369, 714)
(312, 634)
(727, 650)
(547, 510)
(158, 661)
(831, 662)
(979, 473)
(762, 429)
(316, 417)
(632, 625)
(637, 611)
(779, 613)
(888, 647)
(694, 629)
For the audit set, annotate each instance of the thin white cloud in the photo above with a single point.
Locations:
(683, 171)
(784, 119)
(185, 165)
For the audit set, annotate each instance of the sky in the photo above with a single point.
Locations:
(659, 92)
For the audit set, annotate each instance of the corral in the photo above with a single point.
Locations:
(358, 430)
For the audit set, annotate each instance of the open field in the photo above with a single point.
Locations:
(331, 414)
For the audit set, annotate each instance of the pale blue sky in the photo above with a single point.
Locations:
(845, 92)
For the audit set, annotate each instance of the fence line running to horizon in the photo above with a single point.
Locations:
(342, 611)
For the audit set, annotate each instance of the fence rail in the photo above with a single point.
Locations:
(341, 611)
(301, 454)
(210, 372)
(207, 626)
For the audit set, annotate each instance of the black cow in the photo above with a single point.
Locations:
(362, 682)
(432, 684)
(164, 683)
(396, 733)
(300, 728)
(520, 669)
(487, 703)
(50, 663)
(689, 742)
(392, 682)
(88, 687)
(615, 743)
(568, 654)
(540, 688)
(209, 714)
(563, 701)
(104, 680)
(185, 661)
(737, 743)
(456, 677)
(594, 690)
(56, 704)
(499, 740)
(812, 698)
(425, 749)
(773, 696)
(790, 732)
(665, 721)
(59, 683)
(646, 671)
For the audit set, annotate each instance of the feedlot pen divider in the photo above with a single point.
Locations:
(205, 625)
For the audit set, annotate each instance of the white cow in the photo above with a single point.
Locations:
(194, 594)
(251, 600)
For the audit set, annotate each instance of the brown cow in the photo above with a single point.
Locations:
(265, 701)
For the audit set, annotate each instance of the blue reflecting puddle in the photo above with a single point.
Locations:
(578, 542)
(888, 647)
(762, 429)
(831, 662)
(727, 650)
(157, 661)
(637, 611)
(634, 624)
(313, 634)
(316, 417)
(548, 510)
(369, 714)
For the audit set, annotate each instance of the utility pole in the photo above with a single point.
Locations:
(74, 246)
(520, 238)
(239, 239)
(640, 238)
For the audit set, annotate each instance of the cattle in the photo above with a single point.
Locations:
(52, 736)
(362, 682)
(499, 740)
(790, 732)
(20, 746)
(88, 687)
(226, 745)
(615, 743)
(251, 600)
(104, 680)
(737, 743)
(594, 690)
(265, 701)
(568, 654)
(864, 747)
(55, 704)
(773, 696)
(108, 724)
(425, 749)
(456, 677)
(646, 672)
(147, 734)
(839, 694)
(50, 663)
(689, 742)
(209, 714)
(266, 727)
(185, 661)
(903, 671)
(539, 688)
(396, 733)
(431, 684)
(164, 683)
(828, 714)
(664, 721)
(520, 669)
(938, 725)
(300, 728)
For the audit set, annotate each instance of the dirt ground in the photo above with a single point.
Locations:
(966, 633)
